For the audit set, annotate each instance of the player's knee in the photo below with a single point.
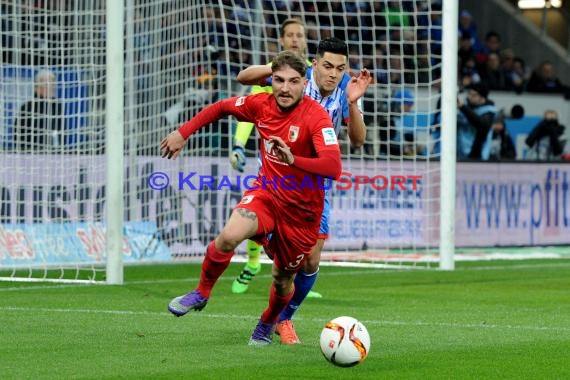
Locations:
(311, 265)
(226, 242)
(283, 285)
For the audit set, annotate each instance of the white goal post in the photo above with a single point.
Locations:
(84, 190)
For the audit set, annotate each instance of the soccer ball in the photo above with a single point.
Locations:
(345, 341)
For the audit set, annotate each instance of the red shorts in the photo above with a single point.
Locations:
(287, 241)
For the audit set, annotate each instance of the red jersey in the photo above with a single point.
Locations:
(307, 129)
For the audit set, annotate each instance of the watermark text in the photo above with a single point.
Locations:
(195, 181)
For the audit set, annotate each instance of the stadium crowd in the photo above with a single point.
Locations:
(172, 74)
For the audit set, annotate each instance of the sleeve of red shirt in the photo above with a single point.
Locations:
(232, 106)
(327, 163)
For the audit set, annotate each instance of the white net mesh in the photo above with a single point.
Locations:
(180, 56)
(398, 41)
(52, 138)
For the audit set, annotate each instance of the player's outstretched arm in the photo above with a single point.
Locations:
(172, 144)
(355, 89)
(254, 75)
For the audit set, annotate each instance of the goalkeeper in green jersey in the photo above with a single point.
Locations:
(292, 37)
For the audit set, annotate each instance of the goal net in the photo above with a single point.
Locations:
(178, 57)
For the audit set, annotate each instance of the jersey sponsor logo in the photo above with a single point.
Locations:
(261, 125)
(247, 199)
(329, 136)
(240, 101)
(293, 133)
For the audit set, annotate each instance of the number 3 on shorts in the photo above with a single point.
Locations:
(296, 263)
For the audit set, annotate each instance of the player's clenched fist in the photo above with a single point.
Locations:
(281, 150)
(171, 145)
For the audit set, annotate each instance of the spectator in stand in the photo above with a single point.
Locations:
(333, 13)
(520, 75)
(40, 123)
(377, 20)
(498, 145)
(367, 60)
(492, 45)
(379, 70)
(354, 58)
(435, 28)
(513, 82)
(397, 14)
(312, 36)
(326, 31)
(176, 58)
(469, 74)
(46, 32)
(396, 138)
(544, 80)
(395, 68)
(548, 140)
(474, 119)
(466, 50)
(468, 28)
(402, 48)
(493, 74)
(7, 24)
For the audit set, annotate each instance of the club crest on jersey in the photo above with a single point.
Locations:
(240, 101)
(293, 133)
(329, 136)
(247, 199)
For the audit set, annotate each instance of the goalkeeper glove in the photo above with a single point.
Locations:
(237, 158)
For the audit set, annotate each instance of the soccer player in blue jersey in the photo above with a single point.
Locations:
(339, 93)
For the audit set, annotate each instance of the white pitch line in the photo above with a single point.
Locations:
(316, 320)
(194, 280)
(191, 280)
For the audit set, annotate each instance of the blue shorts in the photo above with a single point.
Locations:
(324, 228)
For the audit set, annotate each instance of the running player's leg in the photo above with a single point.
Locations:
(243, 224)
(289, 247)
(312, 266)
(251, 268)
(280, 294)
(304, 281)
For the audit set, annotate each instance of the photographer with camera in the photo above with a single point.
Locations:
(498, 144)
(547, 140)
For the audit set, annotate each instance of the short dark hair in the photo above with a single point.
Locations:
(492, 34)
(288, 22)
(481, 88)
(332, 45)
(291, 59)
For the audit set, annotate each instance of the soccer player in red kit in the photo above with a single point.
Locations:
(283, 208)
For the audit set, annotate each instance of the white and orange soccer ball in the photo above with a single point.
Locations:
(345, 342)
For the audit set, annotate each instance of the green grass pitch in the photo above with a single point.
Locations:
(488, 320)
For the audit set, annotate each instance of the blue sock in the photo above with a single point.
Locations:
(303, 284)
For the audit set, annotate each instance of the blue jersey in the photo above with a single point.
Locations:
(335, 104)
